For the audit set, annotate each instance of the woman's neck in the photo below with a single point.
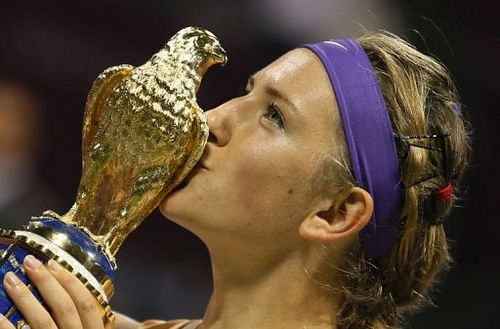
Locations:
(277, 290)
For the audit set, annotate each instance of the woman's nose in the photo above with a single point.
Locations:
(218, 125)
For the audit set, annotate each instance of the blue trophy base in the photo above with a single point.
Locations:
(48, 238)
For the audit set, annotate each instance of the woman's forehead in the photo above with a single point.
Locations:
(300, 74)
(297, 62)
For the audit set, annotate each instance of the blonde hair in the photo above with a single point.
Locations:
(421, 98)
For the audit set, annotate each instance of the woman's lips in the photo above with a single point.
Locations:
(197, 168)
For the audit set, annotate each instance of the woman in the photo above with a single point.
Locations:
(320, 195)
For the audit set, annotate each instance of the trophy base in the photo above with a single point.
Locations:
(48, 238)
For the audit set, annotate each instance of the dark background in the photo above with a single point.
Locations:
(57, 48)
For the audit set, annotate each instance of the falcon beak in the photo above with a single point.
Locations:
(220, 56)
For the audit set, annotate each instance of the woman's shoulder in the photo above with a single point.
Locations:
(173, 324)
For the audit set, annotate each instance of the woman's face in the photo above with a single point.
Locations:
(258, 172)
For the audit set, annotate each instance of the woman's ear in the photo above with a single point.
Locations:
(349, 211)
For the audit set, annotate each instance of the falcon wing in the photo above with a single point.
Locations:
(100, 90)
(199, 140)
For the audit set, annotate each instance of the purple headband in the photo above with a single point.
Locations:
(369, 137)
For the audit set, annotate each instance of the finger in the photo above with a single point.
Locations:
(34, 313)
(86, 304)
(5, 323)
(57, 299)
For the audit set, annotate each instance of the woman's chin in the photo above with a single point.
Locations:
(168, 205)
(174, 199)
(177, 208)
(177, 203)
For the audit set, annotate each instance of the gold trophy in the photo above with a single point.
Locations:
(143, 132)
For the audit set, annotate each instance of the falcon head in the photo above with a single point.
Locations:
(196, 40)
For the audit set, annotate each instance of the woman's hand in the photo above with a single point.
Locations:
(72, 305)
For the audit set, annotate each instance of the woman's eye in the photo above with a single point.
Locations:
(274, 114)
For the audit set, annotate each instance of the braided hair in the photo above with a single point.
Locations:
(433, 148)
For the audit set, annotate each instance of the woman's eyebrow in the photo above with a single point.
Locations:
(273, 92)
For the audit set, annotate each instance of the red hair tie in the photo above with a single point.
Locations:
(445, 193)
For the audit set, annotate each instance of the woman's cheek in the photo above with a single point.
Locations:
(262, 181)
